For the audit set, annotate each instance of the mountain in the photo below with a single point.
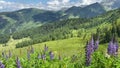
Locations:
(32, 18)
(111, 4)
(116, 4)
(103, 25)
(87, 11)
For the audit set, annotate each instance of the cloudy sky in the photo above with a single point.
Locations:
(11, 5)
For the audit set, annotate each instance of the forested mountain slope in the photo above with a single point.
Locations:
(31, 17)
(65, 29)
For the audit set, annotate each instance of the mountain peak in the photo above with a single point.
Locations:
(95, 5)
(73, 9)
(30, 9)
(111, 4)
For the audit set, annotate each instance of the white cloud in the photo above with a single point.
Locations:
(58, 4)
(109, 4)
(50, 5)
(87, 2)
(53, 2)
(65, 1)
(1, 7)
(11, 6)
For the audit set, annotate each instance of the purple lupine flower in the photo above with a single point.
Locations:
(45, 48)
(28, 55)
(88, 53)
(51, 55)
(39, 56)
(88, 61)
(115, 51)
(96, 45)
(91, 44)
(110, 47)
(2, 65)
(10, 54)
(18, 63)
(117, 46)
(43, 56)
(113, 48)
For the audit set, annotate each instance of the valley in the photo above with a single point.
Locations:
(77, 37)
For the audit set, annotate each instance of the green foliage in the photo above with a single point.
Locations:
(63, 29)
(4, 38)
(3, 22)
(99, 60)
(23, 17)
(86, 12)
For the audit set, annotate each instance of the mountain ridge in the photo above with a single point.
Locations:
(23, 18)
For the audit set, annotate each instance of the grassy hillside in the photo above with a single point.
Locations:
(71, 28)
(66, 47)
(72, 37)
(71, 43)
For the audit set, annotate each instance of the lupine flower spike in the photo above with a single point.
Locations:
(18, 63)
(43, 56)
(51, 55)
(2, 65)
(88, 54)
(96, 44)
(112, 48)
(45, 48)
(39, 56)
(91, 44)
(28, 55)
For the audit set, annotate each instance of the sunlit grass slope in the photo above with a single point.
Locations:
(66, 47)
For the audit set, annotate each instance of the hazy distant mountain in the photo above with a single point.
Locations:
(30, 18)
(111, 4)
(86, 12)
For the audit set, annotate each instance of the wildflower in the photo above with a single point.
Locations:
(39, 56)
(45, 48)
(88, 53)
(91, 45)
(2, 65)
(96, 45)
(18, 63)
(28, 55)
(112, 48)
(51, 55)
(43, 56)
